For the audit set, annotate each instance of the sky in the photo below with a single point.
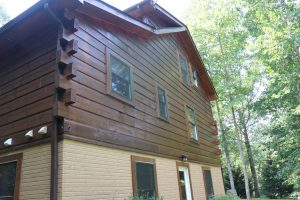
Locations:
(175, 7)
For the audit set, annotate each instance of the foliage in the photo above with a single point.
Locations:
(3, 16)
(135, 197)
(273, 184)
(249, 48)
(227, 197)
(238, 181)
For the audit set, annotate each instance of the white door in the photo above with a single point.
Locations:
(185, 185)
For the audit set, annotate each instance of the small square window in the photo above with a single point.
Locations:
(184, 70)
(144, 177)
(9, 176)
(192, 123)
(120, 77)
(195, 78)
(162, 103)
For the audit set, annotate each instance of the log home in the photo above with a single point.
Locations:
(99, 103)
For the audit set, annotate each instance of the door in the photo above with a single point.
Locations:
(184, 183)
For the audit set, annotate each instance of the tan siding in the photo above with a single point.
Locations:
(35, 174)
(94, 172)
(197, 182)
(217, 180)
(167, 179)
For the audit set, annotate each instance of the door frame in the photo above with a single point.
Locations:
(186, 165)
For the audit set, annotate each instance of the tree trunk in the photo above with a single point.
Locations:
(250, 155)
(241, 152)
(224, 139)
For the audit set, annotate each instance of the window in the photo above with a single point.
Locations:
(184, 183)
(195, 78)
(120, 77)
(10, 176)
(144, 177)
(184, 69)
(192, 123)
(208, 183)
(162, 103)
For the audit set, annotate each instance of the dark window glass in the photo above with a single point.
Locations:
(162, 101)
(145, 179)
(120, 77)
(208, 184)
(192, 123)
(182, 185)
(7, 180)
(184, 70)
(195, 78)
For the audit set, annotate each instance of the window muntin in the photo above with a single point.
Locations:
(208, 184)
(184, 69)
(120, 77)
(195, 78)
(162, 103)
(144, 177)
(192, 123)
(184, 183)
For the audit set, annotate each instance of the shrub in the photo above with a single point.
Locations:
(273, 184)
(227, 197)
(239, 181)
(135, 197)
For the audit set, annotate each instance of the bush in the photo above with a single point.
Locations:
(227, 197)
(143, 198)
(273, 184)
(238, 181)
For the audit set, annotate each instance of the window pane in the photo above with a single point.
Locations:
(184, 70)
(195, 78)
(120, 77)
(193, 131)
(163, 110)
(7, 180)
(161, 95)
(182, 185)
(145, 179)
(119, 68)
(208, 184)
(191, 115)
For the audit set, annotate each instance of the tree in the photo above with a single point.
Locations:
(3, 16)
(276, 34)
(220, 35)
(274, 185)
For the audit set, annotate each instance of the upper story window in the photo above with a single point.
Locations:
(120, 77)
(144, 177)
(192, 123)
(162, 103)
(184, 69)
(195, 78)
(10, 168)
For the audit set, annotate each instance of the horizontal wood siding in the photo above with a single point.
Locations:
(35, 172)
(27, 84)
(154, 61)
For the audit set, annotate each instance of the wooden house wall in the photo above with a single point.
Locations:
(27, 84)
(102, 118)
